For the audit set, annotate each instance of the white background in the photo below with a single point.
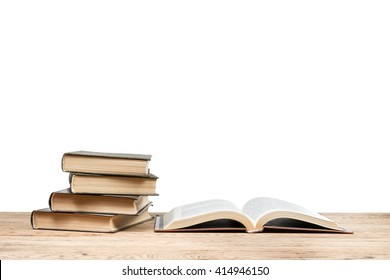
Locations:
(233, 99)
(113, 269)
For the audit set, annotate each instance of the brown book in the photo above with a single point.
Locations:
(257, 215)
(106, 163)
(109, 184)
(66, 201)
(47, 219)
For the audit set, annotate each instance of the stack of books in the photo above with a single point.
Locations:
(108, 192)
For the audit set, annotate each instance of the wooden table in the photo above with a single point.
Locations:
(371, 240)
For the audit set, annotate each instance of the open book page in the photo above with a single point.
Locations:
(257, 208)
(198, 209)
(256, 215)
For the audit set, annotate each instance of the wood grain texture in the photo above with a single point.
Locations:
(371, 240)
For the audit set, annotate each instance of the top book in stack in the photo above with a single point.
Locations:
(106, 163)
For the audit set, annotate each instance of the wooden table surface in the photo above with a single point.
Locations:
(371, 240)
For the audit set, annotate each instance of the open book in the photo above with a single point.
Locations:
(257, 214)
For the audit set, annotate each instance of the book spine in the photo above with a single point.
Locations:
(70, 179)
(62, 162)
(51, 201)
(32, 220)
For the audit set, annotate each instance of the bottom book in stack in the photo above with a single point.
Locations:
(91, 212)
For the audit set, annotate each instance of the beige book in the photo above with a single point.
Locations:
(256, 215)
(47, 219)
(109, 184)
(66, 201)
(106, 163)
